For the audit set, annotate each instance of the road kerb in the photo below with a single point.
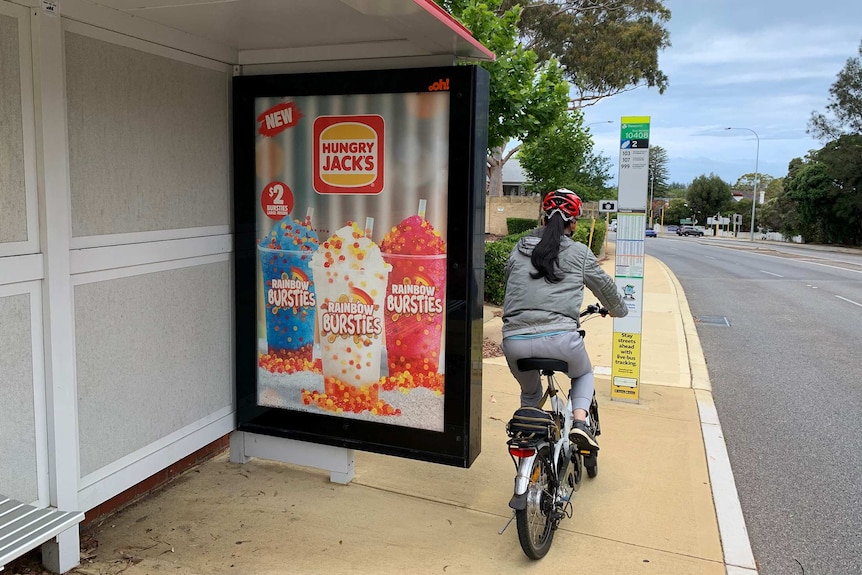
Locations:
(731, 523)
(696, 361)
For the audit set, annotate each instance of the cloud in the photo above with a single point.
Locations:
(759, 64)
(779, 74)
(795, 42)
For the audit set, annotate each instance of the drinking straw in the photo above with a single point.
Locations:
(369, 227)
(422, 205)
(309, 213)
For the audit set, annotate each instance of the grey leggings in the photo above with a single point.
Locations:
(568, 347)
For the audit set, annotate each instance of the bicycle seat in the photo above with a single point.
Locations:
(543, 364)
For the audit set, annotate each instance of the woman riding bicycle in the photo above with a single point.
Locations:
(545, 278)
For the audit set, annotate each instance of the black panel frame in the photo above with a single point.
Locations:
(460, 441)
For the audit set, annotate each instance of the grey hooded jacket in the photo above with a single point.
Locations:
(536, 306)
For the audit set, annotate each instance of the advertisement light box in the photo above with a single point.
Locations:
(359, 225)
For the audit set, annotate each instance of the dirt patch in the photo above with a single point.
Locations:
(491, 348)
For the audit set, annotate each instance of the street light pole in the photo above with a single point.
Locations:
(756, 177)
(651, 184)
(602, 122)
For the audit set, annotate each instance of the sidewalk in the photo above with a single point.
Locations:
(650, 510)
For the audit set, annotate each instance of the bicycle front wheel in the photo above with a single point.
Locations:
(535, 522)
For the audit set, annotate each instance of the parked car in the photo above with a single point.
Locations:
(671, 229)
(651, 234)
(689, 231)
(613, 226)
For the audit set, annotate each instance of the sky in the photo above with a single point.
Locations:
(765, 65)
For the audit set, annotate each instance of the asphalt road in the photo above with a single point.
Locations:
(787, 379)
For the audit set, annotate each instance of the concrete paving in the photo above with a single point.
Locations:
(650, 510)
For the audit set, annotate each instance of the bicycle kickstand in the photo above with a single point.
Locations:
(506, 526)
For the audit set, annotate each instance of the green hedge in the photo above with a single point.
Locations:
(519, 225)
(582, 234)
(497, 254)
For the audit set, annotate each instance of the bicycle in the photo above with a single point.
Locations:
(549, 468)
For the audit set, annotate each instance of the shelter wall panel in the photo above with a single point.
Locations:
(13, 220)
(158, 127)
(17, 404)
(153, 355)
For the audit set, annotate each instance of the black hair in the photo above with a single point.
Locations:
(546, 255)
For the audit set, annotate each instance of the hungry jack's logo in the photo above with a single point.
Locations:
(348, 154)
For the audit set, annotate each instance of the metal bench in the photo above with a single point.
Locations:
(24, 527)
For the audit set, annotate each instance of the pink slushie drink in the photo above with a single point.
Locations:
(415, 296)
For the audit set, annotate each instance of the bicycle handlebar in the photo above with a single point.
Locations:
(594, 308)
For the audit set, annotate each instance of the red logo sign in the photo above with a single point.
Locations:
(278, 118)
(348, 154)
(439, 85)
(276, 200)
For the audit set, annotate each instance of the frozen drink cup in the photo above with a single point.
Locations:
(415, 296)
(350, 280)
(288, 288)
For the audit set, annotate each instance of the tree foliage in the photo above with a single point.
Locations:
(526, 95)
(605, 46)
(826, 189)
(780, 214)
(708, 195)
(675, 211)
(845, 104)
(562, 157)
(822, 195)
(745, 183)
(658, 172)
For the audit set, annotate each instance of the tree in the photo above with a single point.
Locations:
(562, 157)
(775, 188)
(675, 211)
(811, 190)
(822, 197)
(708, 196)
(845, 105)
(529, 93)
(605, 46)
(745, 183)
(526, 96)
(743, 208)
(658, 171)
(676, 190)
(780, 214)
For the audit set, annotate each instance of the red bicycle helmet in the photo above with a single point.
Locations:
(562, 201)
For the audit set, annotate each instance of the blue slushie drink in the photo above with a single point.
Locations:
(288, 288)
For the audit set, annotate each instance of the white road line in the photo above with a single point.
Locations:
(710, 257)
(738, 556)
(772, 274)
(849, 300)
(793, 260)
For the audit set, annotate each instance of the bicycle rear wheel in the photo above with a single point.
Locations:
(535, 522)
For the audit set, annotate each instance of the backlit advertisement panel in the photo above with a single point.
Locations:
(354, 315)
